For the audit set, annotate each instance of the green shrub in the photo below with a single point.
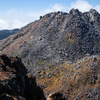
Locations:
(71, 85)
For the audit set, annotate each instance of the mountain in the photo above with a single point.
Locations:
(62, 50)
(55, 36)
(6, 33)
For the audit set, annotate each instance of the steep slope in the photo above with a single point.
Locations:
(5, 33)
(58, 49)
(77, 81)
(56, 36)
(15, 82)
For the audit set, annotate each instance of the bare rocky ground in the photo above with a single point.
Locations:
(77, 81)
(62, 50)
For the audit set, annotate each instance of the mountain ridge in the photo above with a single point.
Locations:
(6, 33)
(71, 29)
(62, 50)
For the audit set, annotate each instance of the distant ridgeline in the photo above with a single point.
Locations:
(6, 33)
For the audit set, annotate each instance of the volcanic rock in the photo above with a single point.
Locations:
(57, 35)
(15, 82)
(57, 39)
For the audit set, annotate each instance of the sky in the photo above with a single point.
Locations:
(18, 13)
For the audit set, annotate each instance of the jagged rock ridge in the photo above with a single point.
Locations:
(55, 38)
(56, 35)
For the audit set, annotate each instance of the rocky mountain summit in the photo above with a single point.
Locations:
(61, 36)
(62, 50)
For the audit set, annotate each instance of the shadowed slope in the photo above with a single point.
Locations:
(15, 83)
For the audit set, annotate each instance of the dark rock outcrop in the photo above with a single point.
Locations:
(55, 96)
(15, 83)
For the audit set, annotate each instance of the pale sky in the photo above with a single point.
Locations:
(18, 13)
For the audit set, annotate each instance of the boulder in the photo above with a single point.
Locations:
(55, 96)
